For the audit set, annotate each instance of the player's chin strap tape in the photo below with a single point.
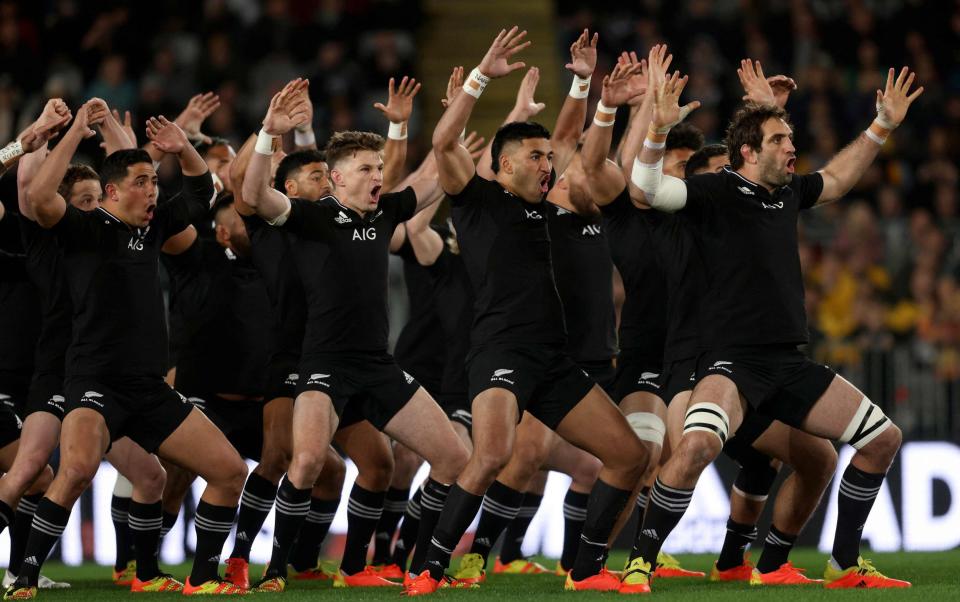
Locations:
(648, 426)
(867, 424)
(707, 417)
(664, 193)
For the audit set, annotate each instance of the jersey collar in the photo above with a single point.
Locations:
(113, 218)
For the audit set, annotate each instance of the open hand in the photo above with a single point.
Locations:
(507, 43)
(583, 55)
(624, 83)
(454, 87)
(166, 135)
(288, 108)
(764, 90)
(528, 87)
(399, 101)
(197, 110)
(893, 101)
(474, 145)
(667, 111)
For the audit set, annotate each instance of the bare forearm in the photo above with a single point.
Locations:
(446, 136)
(238, 171)
(394, 160)
(256, 179)
(191, 163)
(596, 147)
(634, 111)
(26, 173)
(636, 132)
(847, 167)
(42, 192)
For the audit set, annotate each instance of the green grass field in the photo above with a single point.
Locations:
(934, 577)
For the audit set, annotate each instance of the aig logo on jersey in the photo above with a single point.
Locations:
(533, 214)
(136, 242)
(591, 230)
(365, 234)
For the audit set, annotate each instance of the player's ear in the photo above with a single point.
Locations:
(749, 155)
(223, 235)
(110, 192)
(291, 187)
(505, 165)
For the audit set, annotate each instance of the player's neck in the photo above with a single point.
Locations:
(751, 173)
(503, 180)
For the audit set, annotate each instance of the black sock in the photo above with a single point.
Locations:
(738, 537)
(49, 521)
(167, 521)
(433, 498)
(517, 529)
(306, 550)
(574, 513)
(408, 531)
(500, 506)
(292, 507)
(119, 507)
(364, 508)
(255, 504)
(776, 549)
(458, 512)
(213, 524)
(664, 510)
(858, 490)
(145, 523)
(604, 506)
(23, 520)
(639, 509)
(393, 507)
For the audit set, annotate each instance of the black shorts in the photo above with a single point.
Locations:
(545, 380)
(145, 409)
(372, 381)
(603, 372)
(14, 397)
(457, 408)
(10, 425)
(778, 381)
(46, 395)
(240, 421)
(639, 371)
(282, 376)
(679, 376)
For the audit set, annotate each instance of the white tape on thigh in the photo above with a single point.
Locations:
(123, 487)
(868, 422)
(648, 427)
(707, 417)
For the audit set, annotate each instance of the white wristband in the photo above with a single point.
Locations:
(397, 131)
(304, 138)
(879, 140)
(475, 83)
(266, 143)
(654, 145)
(580, 88)
(605, 116)
(11, 152)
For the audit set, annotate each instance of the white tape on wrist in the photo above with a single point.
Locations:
(654, 145)
(605, 116)
(11, 152)
(475, 83)
(878, 139)
(304, 137)
(397, 131)
(580, 88)
(266, 143)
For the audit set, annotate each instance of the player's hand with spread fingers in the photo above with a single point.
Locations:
(166, 135)
(193, 115)
(474, 144)
(496, 62)
(454, 87)
(93, 112)
(525, 104)
(288, 108)
(895, 99)
(760, 89)
(583, 55)
(667, 111)
(399, 100)
(620, 86)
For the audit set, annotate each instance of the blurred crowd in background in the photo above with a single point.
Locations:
(882, 266)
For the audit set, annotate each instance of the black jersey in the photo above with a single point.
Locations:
(584, 274)
(112, 271)
(225, 321)
(45, 265)
(272, 255)
(684, 284)
(746, 241)
(643, 316)
(342, 260)
(506, 249)
(455, 302)
(420, 346)
(19, 312)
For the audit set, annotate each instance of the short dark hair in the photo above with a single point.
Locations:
(684, 135)
(746, 127)
(224, 201)
(345, 144)
(291, 165)
(116, 166)
(701, 158)
(75, 173)
(516, 131)
(204, 147)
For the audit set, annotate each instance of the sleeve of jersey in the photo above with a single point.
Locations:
(618, 205)
(189, 206)
(401, 205)
(13, 267)
(307, 219)
(698, 194)
(470, 193)
(808, 189)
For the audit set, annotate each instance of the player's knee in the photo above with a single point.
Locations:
(872, 433)
(42, 482)
(698, 449)
(530, 454)
(305, 467)
(234, 476)
(78, 475)
(377, 475)
(885, 446)
(149, 480)
(274, 462)
(585, 472)
(492, 459)
(334, 471)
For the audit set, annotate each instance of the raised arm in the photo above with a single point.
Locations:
(454, 162)
(238, 171)
(115, 135)
(169, 139)
(657, 64)
(45, 203)
(199, 107)
(760, 89)
(397, 111)
(847, 166)
(524, 109)
(604, 177)
(54, 117)
(287, 109)
(303, 136)
(569, 126)
(425, 241)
